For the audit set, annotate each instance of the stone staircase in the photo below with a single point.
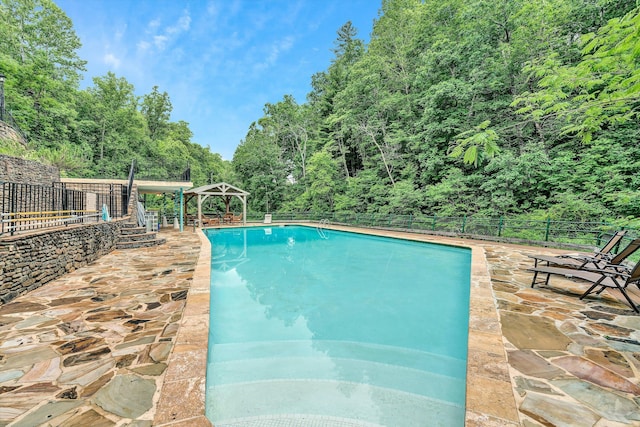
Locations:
(132, 236)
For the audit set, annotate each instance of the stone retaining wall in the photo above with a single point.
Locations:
(7, 132)
(29, 261)
(14, 169)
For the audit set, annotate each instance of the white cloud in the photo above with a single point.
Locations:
(160, 42)
(161, 37)
(154, 24)
(275, 50)
(111, 60)
(182, 25)
(120, 32)
(212, 10)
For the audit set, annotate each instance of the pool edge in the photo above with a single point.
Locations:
(182, 397)
(489, 393)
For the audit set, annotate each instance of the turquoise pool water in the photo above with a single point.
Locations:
(337, 329)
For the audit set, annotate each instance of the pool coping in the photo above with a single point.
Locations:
(490, 396)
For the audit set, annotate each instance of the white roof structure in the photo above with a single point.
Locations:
(221, 189)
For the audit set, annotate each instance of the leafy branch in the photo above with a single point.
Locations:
(474, 142)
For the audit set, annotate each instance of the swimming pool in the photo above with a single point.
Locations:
(350, 329)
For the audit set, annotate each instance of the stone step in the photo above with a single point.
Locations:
(140, 244)
(133, 230)
(137, 237)
(130, 225)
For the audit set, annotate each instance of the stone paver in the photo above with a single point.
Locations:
(91, 348)
(120, 342)
(573, 362)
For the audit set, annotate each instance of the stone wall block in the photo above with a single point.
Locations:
(14, 169)
(30, 261)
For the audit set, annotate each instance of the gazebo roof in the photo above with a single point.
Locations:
(219, 189)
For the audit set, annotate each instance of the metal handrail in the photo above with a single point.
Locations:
(12, 222)
(320, 228)
(130, 180)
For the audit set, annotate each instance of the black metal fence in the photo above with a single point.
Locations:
(26, 207)
(588, 233)
(151, 171)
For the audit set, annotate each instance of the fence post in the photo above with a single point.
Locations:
(13, 203)
(410, 221)
(433, 226)
(599, 234)
(464, 223)
(546, 233)
(500, 227)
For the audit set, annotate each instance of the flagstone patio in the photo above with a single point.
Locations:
(123, 342)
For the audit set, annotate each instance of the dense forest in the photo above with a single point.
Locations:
(483, 107)
(95, 132)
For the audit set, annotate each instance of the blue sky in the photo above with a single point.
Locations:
(220, 61)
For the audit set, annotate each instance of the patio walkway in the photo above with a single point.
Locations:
(91, 348)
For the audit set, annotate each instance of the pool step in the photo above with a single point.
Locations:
(392, 355)
(394, 377)
(295, 420)
(342, 399)
(365, 379)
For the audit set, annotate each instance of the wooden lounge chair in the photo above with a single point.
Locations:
(601, 279)
(603, 254)
(589, 262)
(236, 218)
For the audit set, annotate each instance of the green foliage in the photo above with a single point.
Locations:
(94, 132)
(477, 143)
(258, 164)
(319, 195)
(600, 91)
(453, 108)
(387, 124)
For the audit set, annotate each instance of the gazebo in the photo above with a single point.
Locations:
(221, 189)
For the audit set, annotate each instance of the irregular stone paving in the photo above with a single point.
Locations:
(572, 362)
(90, 349)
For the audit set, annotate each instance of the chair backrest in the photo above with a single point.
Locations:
(634, 275)
(615, 239)
(626, 252)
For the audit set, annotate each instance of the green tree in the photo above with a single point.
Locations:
(323, 185)
(258, 164)
(113, 126)
(39, 31)
(601, 90)
(156, 108)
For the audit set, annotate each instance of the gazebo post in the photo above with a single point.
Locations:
(244, 210)
(181, 210)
